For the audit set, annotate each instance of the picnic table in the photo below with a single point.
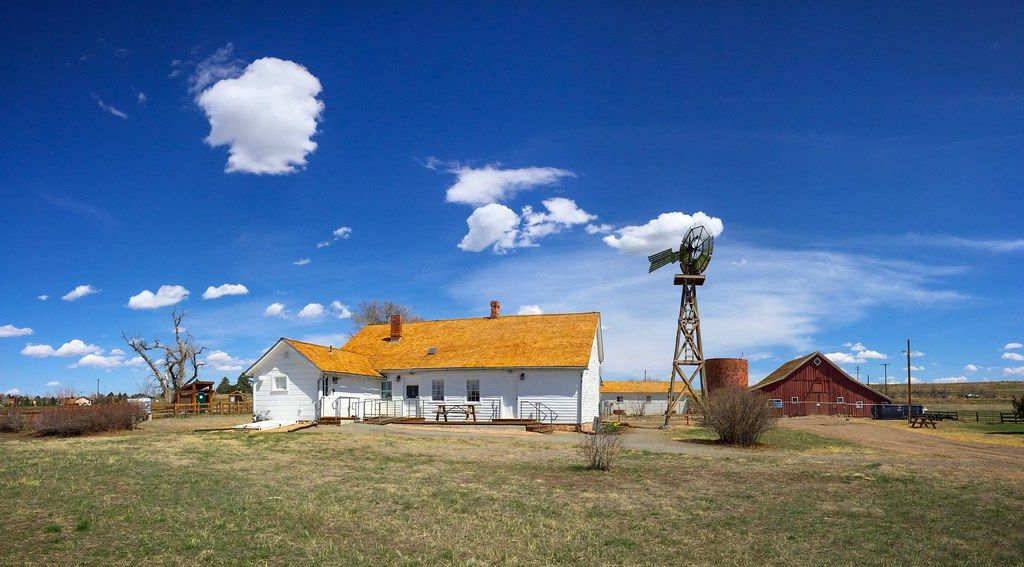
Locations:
(923, 421)
(468, 411)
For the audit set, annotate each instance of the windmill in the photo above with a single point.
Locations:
(693, 256)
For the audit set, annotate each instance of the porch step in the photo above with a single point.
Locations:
(387, 420)
(333, 420)
(538, 427)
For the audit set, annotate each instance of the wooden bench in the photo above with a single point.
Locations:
(923, 421)
(467, 411)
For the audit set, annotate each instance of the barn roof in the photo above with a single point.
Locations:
(638, 387)
(562, 340)
(787, 369)
(334, 359)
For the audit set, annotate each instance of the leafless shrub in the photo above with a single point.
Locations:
(67, 421)
(11, 420)
(600, 449)
(738, 416)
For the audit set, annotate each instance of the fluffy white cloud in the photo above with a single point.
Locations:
(223, 362)
(493, 226)
(863, 353)
(1014, 356)
(491, 184)
(267, 116)
(1016, 371)
(311, 311)
(951, 380)
(323, 244)
(79, 292)
(842, 358)
(530, 310)
(1013, 346)
(224, 289)
(666, 231)
(561, 214)
(302, 261)
(52, 384)
(342, 232)
(44, 297)
(99, 361)
(74, 347)
(781, 299)
(12, 331)
(166, 295)
(598, 228)
(275, 310)
(12, 392)
(972, 367)
(340, 310)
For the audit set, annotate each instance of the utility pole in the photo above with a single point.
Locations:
(885, 367)
(909, 400)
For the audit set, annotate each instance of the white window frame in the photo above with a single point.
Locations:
(276, 381)
(649, 399)
(840, 400)
(860, 404)
(472, 386)
(794, 400)
(387, 391)
(434, 390)
(618, 399)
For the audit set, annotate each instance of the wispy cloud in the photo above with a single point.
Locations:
(108, 108)
(989, 245)
(85, 209)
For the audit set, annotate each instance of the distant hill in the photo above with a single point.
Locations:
(964, 391)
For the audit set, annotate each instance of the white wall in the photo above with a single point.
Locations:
(632, 402)
(297, 402)
(591, 397)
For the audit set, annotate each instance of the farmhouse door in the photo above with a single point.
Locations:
(509, 396)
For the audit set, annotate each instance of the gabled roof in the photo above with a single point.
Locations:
(787, 369)
(510, 341)
(332, 359)
(638, 387)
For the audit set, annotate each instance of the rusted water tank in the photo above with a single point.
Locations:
(725, 373)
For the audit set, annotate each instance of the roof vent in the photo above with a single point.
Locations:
(817, 361)
(432, 350)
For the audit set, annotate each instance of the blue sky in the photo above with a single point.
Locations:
(865, 163)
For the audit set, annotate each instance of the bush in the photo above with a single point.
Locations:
(602, 447)
(738, 416)
(1018, 405)
(11, 420)
(72, 420)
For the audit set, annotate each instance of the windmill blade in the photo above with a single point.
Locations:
(662, 258)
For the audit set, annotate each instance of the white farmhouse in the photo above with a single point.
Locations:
(638, 397)
(544, 367)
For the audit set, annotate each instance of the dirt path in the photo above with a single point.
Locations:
(917, 448)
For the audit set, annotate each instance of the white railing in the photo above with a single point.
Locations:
(537, 410)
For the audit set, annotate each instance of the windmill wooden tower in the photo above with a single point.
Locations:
(693, 256)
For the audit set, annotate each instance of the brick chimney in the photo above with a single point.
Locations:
(396, 326)
(495, 309)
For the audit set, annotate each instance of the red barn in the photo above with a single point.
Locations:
(814, 385)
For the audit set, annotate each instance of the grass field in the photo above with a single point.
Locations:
(370, 495)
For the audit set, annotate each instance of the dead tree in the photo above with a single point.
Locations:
(379, 312)
(179, 364)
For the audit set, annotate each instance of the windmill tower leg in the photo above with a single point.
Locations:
(688, 360)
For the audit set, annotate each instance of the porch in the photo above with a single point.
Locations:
(338, 408)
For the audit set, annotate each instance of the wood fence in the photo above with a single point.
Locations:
(978, 416)
(160, 410)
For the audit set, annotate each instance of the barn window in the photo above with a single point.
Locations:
(280, 383)
(437, 391)
(817, 361)
(648, 398)
(860, 404)
(472, 390)
(385, 391)
(839, 400)
(795, 400)
(618, 399)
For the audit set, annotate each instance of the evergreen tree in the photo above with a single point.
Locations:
(243, 384)
(224, 386)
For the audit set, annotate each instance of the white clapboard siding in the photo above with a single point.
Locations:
(297, 401)
(590, 404)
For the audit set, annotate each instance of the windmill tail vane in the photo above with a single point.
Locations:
(663, 258)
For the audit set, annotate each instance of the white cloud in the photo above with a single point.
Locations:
(491, 184)
(340, 310)
(223, 362)
(863, 354)
(79, 292)
(302, 262)
(990, 245)
(140, 97)
(842, 358)
(666, 231)
(52, 384)
(12, 392)
(561, 214)
(1016, 371)
(493, 226)
(221, 64)
(311, 311)
(44, 297)
(916, 354)
(323, 244)
(108, 108)
(166, 295)
(275, 310)
(99, 361)
(972, 367)
(780, 299)
(342, 232)
(267, 116)
(951, 380)
(12, 331)
(530, 310)
(74, 347)
(598, 228)
(1014, 356)
(224, 289)
(1013, 346)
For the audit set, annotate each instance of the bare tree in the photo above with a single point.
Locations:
(179, 363)
(377, 312)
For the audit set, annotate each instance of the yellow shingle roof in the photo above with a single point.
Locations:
(332, 359)
(511, 341)
(638, 387)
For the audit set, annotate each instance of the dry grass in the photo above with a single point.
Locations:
(376, 496)
(1006, 434)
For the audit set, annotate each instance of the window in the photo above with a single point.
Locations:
(648, 399)
(795, 400)
(618, 399)
(860, 404)
(472, 391)
(437, 391)
(412, 391)
(280, 383)
(777, 404)
(839, 400)
(385, 391)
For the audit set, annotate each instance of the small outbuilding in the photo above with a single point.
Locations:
(814, 385)
(638, 397)
(195, 392)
